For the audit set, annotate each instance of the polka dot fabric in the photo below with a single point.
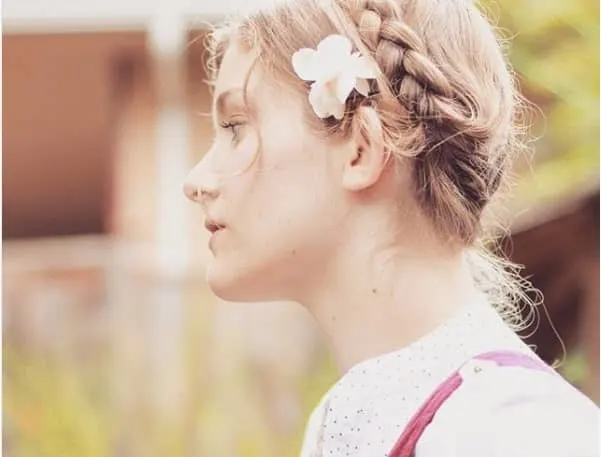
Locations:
(365, 412)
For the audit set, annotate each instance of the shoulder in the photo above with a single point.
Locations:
(514, 412)
(313, 429)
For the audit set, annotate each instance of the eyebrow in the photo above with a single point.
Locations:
(229, 97)
(237, 96)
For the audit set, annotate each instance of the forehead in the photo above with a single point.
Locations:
(234, 68)
(241, 72)
(237, 73)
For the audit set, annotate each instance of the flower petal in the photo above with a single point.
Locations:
(333, 107)
(304, 64)
(362, 86)
(335, 44)
(324, 101)
(318, 100)
(338, 110)
(344, 85)
(362, 68)
(332, 57)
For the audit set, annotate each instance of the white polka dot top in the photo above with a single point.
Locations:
(365, 412)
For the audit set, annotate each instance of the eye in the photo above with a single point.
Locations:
(235, 150)
(234, 127)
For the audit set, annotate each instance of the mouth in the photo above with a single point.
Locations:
(213, 227)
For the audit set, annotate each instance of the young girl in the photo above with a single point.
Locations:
(357, 145)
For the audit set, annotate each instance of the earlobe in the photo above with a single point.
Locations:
(367, 160)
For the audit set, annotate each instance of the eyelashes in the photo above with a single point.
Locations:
(235, 150)
(234, 127)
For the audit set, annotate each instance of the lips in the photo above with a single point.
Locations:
(213, 226)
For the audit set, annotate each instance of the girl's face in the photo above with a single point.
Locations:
(269, 187)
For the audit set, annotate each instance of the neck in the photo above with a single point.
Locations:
(377, 301)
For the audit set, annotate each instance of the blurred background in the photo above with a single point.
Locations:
(112, 344)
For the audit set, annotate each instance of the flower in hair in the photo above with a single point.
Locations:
(335, 71)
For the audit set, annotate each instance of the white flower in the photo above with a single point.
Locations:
(335, 71)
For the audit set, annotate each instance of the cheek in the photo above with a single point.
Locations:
(289, 194)
(233, 159)
(289, 205)
(285, 220)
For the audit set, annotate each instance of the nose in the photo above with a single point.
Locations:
(200, 184)
(191, 191)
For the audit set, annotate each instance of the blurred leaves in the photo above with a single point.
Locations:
(575, 368)
(554, 48)
(51, 410)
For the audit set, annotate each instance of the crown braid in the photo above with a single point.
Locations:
(455, 170)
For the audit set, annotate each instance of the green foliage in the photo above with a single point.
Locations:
(49, 411)
(575, 369)
(554, 48)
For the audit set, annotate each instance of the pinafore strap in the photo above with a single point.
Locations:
(405, 445)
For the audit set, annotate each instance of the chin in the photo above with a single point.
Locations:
(230, 285)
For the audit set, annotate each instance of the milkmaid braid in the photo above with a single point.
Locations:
(436, 120)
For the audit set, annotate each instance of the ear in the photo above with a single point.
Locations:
(367, 157)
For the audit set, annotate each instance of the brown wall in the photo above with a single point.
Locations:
(79, 125)
(58, 120)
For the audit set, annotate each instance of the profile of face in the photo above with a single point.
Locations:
(295, 209)
(270, 187)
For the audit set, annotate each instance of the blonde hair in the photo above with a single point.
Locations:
(445, 96)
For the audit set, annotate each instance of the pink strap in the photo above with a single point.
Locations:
(405, 445)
